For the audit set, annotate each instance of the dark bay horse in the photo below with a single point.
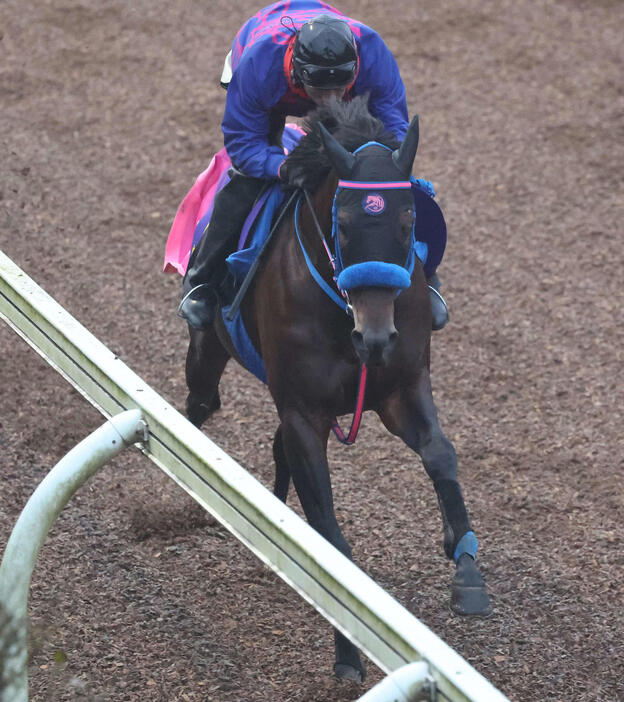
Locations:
(313, 351)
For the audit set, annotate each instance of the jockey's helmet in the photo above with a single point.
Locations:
(325, 53)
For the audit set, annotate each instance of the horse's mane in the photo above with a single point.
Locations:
(352, 125)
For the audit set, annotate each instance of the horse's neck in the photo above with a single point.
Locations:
(322, 201)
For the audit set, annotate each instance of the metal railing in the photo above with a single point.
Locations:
(351, 601)
(31, 530)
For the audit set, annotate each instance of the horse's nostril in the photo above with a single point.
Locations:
(393, 337)
(357, 338)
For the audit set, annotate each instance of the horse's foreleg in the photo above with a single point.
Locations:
(305, 444)
(411, 414)
(205, 362)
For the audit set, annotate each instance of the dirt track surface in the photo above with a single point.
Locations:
(109, 111)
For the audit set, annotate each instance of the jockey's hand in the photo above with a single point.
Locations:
(291, 176)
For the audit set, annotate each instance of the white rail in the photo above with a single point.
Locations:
(384, 630)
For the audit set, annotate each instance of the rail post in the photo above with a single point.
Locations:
(409, 683)
(32, 527)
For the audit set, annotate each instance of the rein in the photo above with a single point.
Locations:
(349, 438)
(342, 303)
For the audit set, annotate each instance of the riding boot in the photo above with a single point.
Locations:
(206, 267)
(439, 310)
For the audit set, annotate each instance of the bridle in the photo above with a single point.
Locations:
(378, 274)
(367, 274)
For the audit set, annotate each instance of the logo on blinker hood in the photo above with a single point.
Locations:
(373, 204)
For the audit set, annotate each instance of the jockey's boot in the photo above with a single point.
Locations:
(439, 310)
(199, 306)
(206, 264)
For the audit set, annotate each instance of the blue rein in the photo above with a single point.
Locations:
(312, 268)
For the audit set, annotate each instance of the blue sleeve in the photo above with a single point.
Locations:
(379, 75)
(256, 86)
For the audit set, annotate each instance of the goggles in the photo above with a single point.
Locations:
(328, 76)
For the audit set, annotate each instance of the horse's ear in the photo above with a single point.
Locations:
(404, 156)
(341, 159)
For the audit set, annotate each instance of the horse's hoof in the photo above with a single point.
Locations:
(198, 412)
(216, 402)
(347, 662)
(468, 592)
(470, 601)
(345, 671)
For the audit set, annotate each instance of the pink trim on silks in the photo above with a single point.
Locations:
(357, 185)
(357, 415)
(191, 209)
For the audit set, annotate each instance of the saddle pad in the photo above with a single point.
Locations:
(243, 344)
(259, 224)
(239, 263)
(430, 225)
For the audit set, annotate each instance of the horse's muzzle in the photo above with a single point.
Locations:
(374, 336)
(373, 348)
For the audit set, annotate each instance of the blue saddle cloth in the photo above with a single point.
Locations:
(239, 264)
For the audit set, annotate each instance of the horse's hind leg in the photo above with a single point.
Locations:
(411, 414)
(205, 362)
(304, 444)
(282, 471)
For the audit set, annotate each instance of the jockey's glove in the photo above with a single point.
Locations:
(291, 175)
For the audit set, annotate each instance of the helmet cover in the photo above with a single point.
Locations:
(325, 53)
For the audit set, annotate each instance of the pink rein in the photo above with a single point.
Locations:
(357, 415)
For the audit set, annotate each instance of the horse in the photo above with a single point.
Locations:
(313, 353)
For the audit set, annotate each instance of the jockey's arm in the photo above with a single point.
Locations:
(251, 94)
(380, 77)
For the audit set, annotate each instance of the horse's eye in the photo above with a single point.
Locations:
(406, 221)
(407, 217)
(342, 236)
(344, 218)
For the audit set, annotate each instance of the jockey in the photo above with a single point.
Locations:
(287, 59)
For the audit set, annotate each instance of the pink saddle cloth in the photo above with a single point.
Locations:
(198, 202)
